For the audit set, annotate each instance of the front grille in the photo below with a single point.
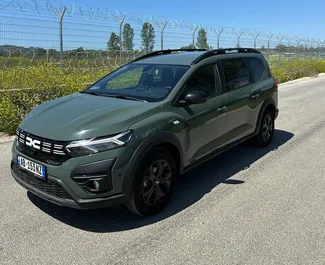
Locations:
(44, 150)
(47, 186)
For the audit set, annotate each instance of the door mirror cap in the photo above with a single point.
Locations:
(195, 97)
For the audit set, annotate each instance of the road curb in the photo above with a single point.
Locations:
(4, 138)
(307, 78)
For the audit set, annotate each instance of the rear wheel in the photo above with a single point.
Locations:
(266, 129)
(153, 182)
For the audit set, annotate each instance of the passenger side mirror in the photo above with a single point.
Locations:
(195, 97)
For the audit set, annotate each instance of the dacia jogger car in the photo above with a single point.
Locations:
(126, 138)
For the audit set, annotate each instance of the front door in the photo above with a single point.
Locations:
(205, 122)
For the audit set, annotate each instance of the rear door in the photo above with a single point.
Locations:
(237, 84)
(262, 85)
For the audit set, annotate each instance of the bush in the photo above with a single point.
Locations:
(48, 83)
(291, 70)
(15, 105)
(41, 76)
(38, 84)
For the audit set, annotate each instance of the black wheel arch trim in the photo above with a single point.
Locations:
(268, 102)
(142, 150)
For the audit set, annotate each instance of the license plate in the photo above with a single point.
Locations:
(37, 169)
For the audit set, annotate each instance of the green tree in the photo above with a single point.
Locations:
(202, 39)
(40, 51)
(113, 43)
(281, 47)
(52, 52)
(75, 52)
(128, 35)
(148, 37)
(191, 46)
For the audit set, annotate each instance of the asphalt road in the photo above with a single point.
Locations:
(248, 206)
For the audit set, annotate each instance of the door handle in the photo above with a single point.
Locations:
(222, 109)
(255, 96)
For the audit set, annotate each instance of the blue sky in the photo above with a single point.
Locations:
(296, 18)
(302, 18)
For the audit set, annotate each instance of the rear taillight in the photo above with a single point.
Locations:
(275, 82)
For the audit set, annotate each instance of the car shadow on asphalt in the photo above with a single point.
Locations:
(189, 190)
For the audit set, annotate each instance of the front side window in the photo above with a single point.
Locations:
(149, 82)
(202, 80)
(235, 72)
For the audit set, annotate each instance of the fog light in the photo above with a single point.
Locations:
(96, 184)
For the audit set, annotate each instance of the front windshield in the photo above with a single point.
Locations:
(149, 82)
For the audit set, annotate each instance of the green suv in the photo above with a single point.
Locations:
(126, 138)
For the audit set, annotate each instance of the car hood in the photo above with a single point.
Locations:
(81, 116)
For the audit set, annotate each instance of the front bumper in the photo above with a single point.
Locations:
(69, 184)
(55, 191)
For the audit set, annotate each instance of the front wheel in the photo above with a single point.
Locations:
(265, 130)
(153, 183)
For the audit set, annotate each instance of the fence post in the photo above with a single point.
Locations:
(255, 35)
(47, 57)
(60, 17)
(289, 39)
(162, 35)
(218, 40)
(193, 36)
(311, 48)
(218, 31)
(298, 47)
(239, 33)
(321, 49)
(318, 43)
(268, 44)
(317, 47)
(280, 38)
(305, 49)
(121, 39)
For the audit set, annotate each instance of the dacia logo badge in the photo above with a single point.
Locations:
(33, 143)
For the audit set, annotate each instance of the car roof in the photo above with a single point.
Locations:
(181, 58)
(191, 56)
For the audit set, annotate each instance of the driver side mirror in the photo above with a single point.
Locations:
(195, 97)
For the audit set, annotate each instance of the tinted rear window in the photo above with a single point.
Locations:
(256, 68)
(236, 75)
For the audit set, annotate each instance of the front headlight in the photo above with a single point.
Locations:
(99, 144)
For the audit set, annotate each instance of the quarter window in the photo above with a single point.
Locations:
(236, 75)
(256, 68)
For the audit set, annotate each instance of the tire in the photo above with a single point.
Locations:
(149, 193)
(265, 130)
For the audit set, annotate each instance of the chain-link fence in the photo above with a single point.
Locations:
(75, 36)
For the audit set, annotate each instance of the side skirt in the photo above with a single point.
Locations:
(217, 152)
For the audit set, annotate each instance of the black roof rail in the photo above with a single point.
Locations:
(161, 52)
(224, 51)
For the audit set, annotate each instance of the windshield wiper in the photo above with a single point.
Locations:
(113, 96)
(123, 97)
(91, 93)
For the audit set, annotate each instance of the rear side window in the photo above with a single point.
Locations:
(235, 74)
(256, 68)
